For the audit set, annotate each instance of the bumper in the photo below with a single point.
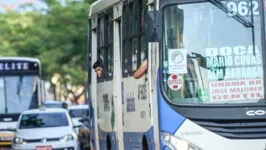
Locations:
(5, 143)
(6, 138)
(71, 145)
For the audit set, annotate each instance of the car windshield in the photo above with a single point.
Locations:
(43, 120)
(76, 113)
(18, 93)
(208, 56)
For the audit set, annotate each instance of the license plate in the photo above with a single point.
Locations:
(6, 138)
(43, 148)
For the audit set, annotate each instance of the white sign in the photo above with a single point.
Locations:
(236, 90)
(175, 82)
(177, 59)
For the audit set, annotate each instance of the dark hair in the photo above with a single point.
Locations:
(97, 64)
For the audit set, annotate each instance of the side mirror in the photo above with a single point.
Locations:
(11, 129)
(83, 120)
(76, 126)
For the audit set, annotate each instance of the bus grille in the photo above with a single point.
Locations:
(235, 129)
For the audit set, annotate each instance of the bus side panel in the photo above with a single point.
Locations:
(106, 109)
(167, 115)
(103, 140)
(134, 139)
(136, 110)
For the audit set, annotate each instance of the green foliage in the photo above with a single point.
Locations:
(56, 35)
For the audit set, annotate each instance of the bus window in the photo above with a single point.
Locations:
(134, 57)
(2, 96)
(143, 54)
(134, 36)
(144, 9)
(125, 42)
(100, 47)
(105, 45)
(134, 39)
(110, 46)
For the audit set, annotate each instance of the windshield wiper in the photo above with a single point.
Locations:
(237, 17)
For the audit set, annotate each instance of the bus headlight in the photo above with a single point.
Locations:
(176, 143)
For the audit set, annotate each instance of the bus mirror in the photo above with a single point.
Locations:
(153, 26)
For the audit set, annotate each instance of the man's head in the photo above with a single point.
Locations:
(97, 66)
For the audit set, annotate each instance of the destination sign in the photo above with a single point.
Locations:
(16, 66)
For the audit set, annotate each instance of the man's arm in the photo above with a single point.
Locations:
(141, 70)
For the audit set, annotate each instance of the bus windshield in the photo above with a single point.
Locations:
(18, 93)
(209, 56)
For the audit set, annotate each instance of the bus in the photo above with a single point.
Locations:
(203, 88)
(20, 90)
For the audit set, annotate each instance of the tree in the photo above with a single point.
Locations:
(56, 35)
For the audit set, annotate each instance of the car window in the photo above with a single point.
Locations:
(74, 113)
(43, 120)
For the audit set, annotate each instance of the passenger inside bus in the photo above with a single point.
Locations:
(98, 67)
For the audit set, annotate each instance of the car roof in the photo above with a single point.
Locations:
(78, 107)
(52, 102)
(44, 110)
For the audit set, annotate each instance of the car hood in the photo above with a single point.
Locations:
(40, 133)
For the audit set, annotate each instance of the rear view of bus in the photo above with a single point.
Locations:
(20, 90)
(211, 79)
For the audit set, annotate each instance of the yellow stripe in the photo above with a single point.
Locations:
(5, 143)
(6, 134)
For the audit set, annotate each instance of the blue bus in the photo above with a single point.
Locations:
(20, 89)
(203, 85)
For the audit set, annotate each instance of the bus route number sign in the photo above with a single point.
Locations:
(243, 8)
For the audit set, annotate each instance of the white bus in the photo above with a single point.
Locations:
(20, 90)
(204, 85)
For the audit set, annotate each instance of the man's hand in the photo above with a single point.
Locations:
(144, 63)
(141, 70)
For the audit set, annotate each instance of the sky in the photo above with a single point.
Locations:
(15, 3)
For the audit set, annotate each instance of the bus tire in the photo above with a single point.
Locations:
(108, 143)
(145, 143)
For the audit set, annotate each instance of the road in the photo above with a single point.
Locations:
(5, 148)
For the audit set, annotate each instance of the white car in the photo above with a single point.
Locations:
(78, 112)
(45, 129)
(53, 104)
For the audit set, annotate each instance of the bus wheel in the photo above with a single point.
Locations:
(108, 143)
(145, 143)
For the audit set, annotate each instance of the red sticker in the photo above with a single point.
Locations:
(175, 82)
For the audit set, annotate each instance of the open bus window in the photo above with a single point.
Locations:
(211, 55)
(105, 45)
(110, 46)
(101, 49)
(134, 39)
